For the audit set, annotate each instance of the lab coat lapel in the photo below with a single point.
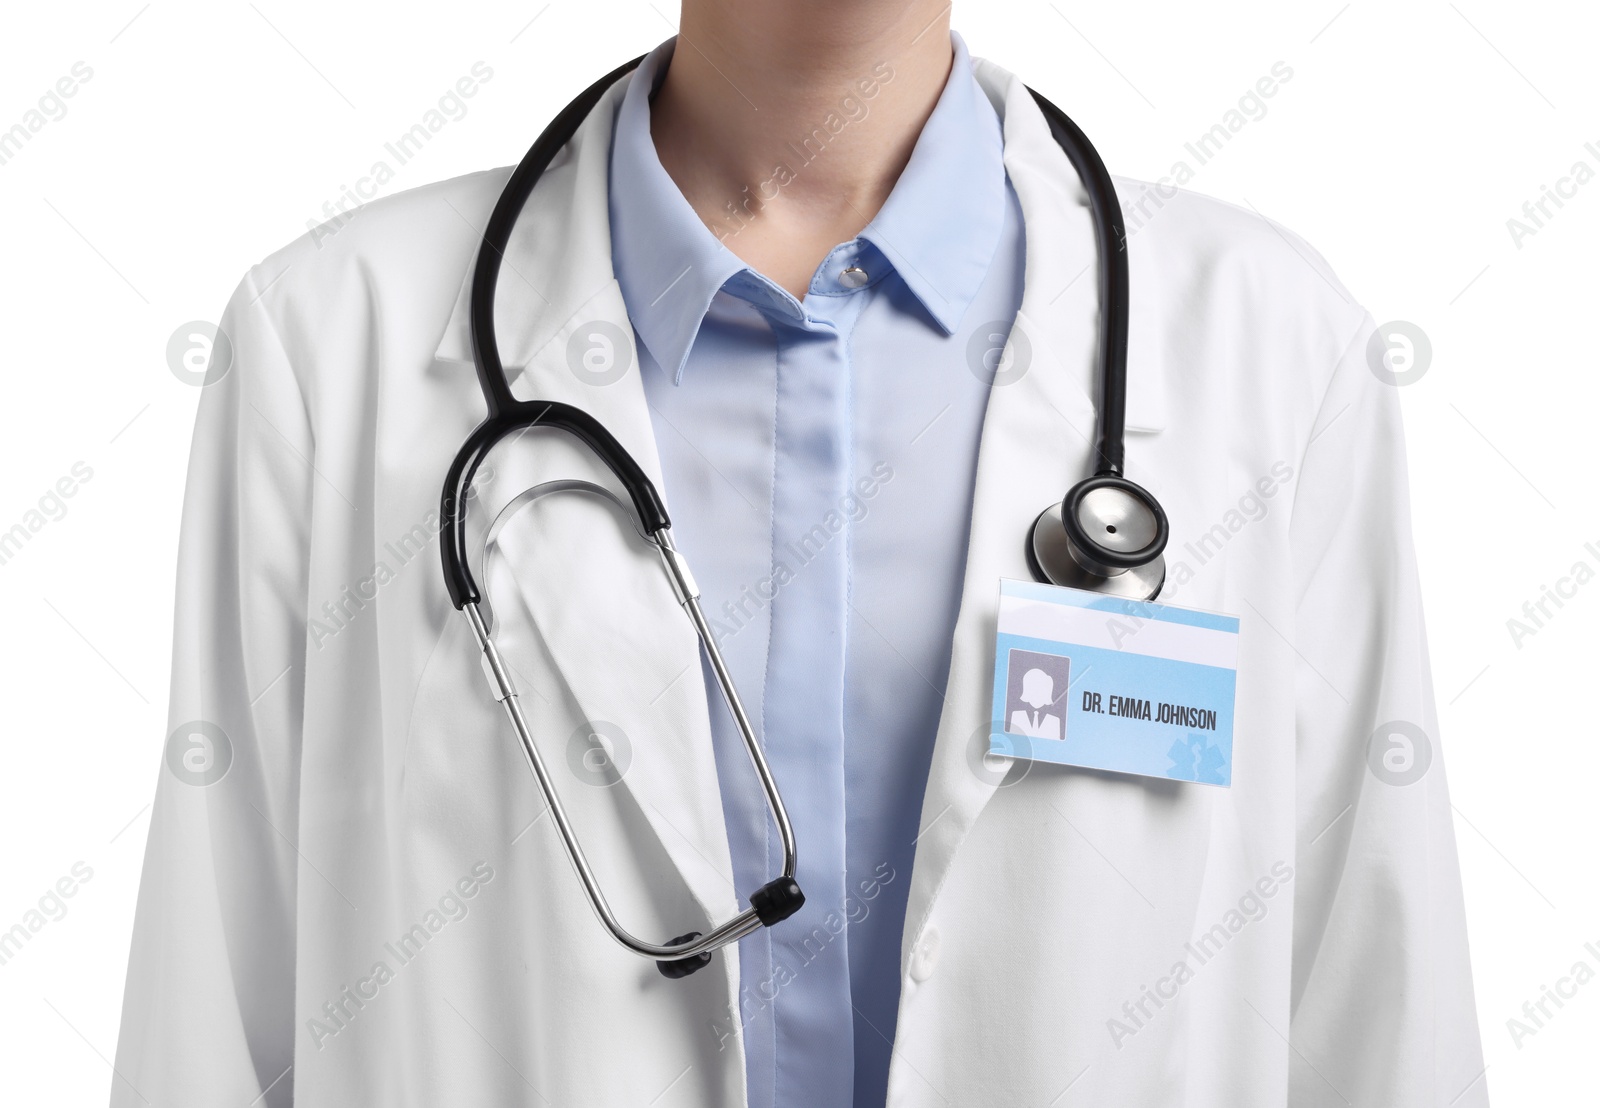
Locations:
(1060, 278)
(1036, 443)
(597, 597)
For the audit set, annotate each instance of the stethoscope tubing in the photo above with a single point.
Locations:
(506, 414)
(1111, 252)
(743, 924)
(688, 594)
(497, 233)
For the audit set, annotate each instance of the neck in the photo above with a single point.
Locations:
(786, 125)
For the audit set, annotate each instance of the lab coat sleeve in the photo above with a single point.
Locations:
(1381, 999)
(207, 1016)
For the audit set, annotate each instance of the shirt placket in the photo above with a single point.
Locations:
(805, 680)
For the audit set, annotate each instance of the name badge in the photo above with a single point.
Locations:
(1102, 682)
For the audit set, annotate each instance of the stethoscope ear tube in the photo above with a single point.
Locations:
(497, 234)
(775, 901)
(772, 903)
(520, 415)
(1111, 245)
(1108, 533)
(681, 956)
(506, 412)
(779, 898)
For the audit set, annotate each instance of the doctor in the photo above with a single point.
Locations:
(822, 274)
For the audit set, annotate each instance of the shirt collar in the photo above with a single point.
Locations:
(941, 224)
(939, 227)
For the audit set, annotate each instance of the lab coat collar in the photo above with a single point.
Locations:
(553, 266)
(1060, 279)
(557, 287)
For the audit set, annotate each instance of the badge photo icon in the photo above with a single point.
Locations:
(1036, 694)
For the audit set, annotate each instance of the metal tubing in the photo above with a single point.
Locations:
(736, 928)
(501, 685)
(689, 597)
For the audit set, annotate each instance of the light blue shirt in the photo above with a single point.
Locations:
(818, 459)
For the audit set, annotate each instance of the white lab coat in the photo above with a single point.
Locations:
(374, 783)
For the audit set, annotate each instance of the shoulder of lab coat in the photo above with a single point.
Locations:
(402, 256)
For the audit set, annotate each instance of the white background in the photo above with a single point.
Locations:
(209, 134)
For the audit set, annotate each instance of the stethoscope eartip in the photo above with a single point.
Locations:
(1107, 535)
(683, 967)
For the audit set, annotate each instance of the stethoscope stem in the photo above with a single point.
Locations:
(505, 691)
(688, 591)
(777, 892)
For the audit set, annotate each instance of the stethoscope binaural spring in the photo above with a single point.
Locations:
(1107, 534)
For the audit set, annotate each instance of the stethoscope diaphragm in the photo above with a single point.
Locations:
(1106, 535)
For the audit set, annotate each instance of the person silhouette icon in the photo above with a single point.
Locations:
(1038, 693)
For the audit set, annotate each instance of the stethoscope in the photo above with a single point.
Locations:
(1106, 535)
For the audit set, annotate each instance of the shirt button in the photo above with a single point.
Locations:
(854, 277)
(925, 955)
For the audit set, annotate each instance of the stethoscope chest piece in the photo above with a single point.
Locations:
(1106, 536)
